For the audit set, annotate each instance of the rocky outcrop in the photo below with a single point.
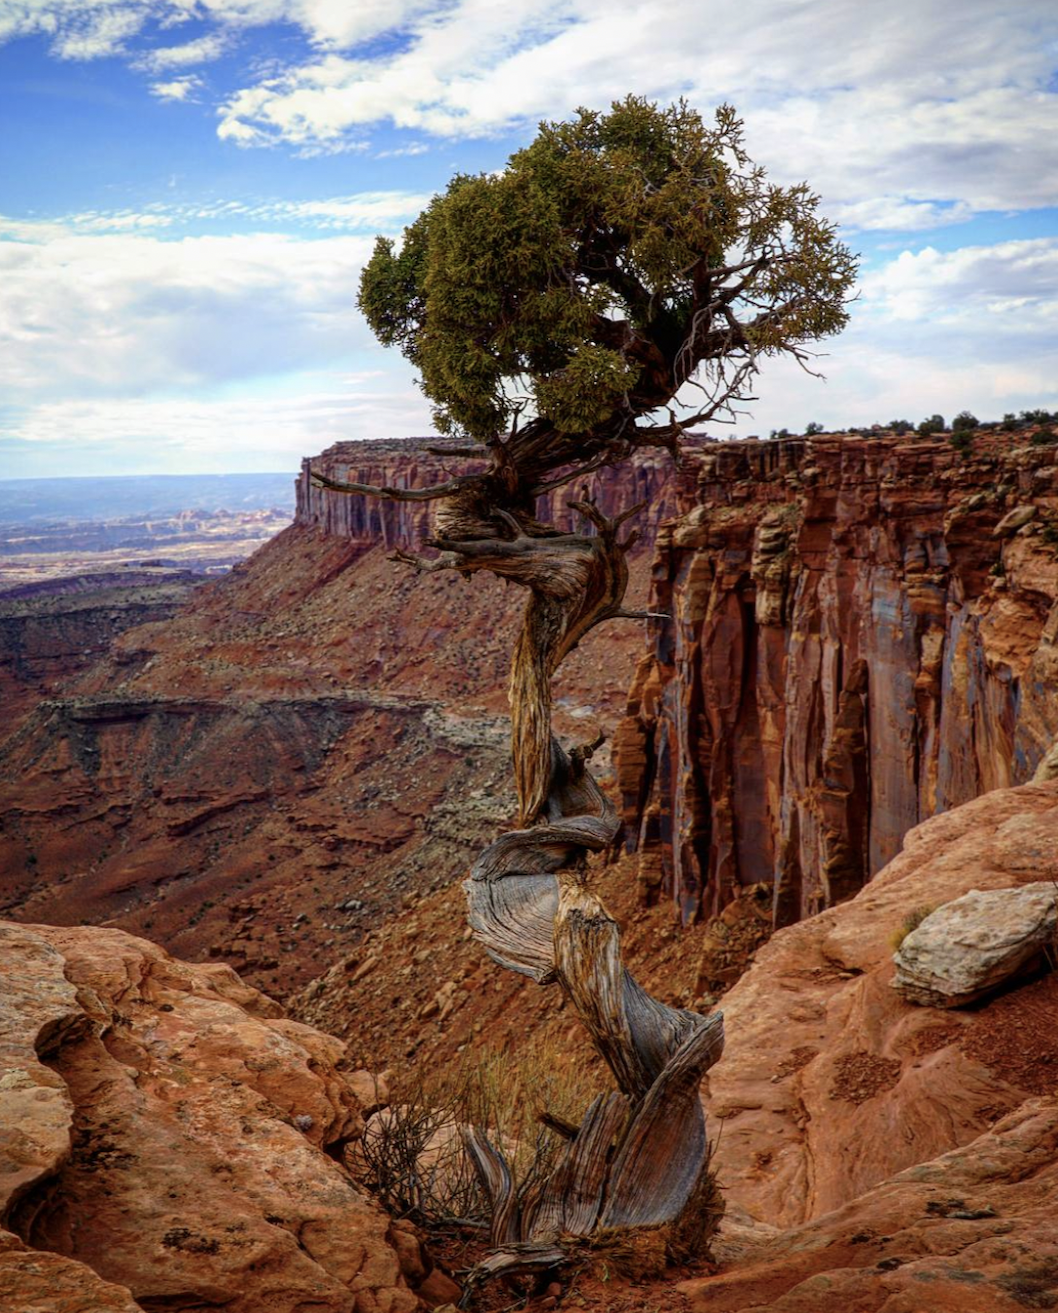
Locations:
(971, 1231)
(169, 1140)
(831, 1082)
(863, 633)
(55, 629)
(968, 947)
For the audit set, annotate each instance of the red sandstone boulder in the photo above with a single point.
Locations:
(167, 1128)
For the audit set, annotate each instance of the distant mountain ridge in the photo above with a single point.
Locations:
(27, 501)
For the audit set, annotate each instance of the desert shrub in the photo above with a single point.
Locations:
(910, 922)
(1037, 416)
(812, 429)
(900, 426)
(412, 1153)
(1044, 438)
(964, 422)
(934, 424)
(1009, 422)
(962, 441)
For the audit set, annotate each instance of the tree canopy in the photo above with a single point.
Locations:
(615, 259)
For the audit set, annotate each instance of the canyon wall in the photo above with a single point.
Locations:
(406, 463)
(863, 632)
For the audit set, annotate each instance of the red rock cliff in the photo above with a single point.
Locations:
(406, 463)
(863, 633)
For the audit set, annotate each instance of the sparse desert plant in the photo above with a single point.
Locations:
(910, 922)
(413, 1154)
(964, 422)
(1044, 438)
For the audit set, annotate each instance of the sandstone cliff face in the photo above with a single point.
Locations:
(169, 1141)
(405, 463)
(864, 632)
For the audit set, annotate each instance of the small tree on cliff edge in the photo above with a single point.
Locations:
(615, 259)
(551, 310)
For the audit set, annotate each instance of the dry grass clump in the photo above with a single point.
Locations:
(910, 922)
(412, 1153)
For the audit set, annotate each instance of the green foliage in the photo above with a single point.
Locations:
(1010, 421)
(962, 441)
(1036, 416)
(935, 424)
(592, 275)
(813, 428)
(964, 422)
(1043, 438)
(900, 426)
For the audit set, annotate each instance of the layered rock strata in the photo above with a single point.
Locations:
(863, 633)
(407, 463)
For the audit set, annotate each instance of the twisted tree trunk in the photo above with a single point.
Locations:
(640, 1157)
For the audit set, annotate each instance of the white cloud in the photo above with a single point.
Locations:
(244, 431)
(921, 113)
(179, 89)
(200, 51)
(365, 212)
(101, 313)
(913, 113)
(1007, 288)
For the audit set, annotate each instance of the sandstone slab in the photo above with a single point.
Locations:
(196, 1162)
(969, 1232)
(966, 948)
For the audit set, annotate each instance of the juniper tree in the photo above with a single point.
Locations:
(557, 313)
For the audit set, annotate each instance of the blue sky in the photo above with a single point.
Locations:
(189, 188)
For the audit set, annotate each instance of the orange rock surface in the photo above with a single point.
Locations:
(830, 1082)
(169, 1140)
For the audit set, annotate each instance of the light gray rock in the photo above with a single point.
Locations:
(974, 943)
(1013, 521)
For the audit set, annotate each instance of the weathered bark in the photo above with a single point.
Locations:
(640, 1156)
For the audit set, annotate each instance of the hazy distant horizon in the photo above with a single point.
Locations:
(92, 497)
